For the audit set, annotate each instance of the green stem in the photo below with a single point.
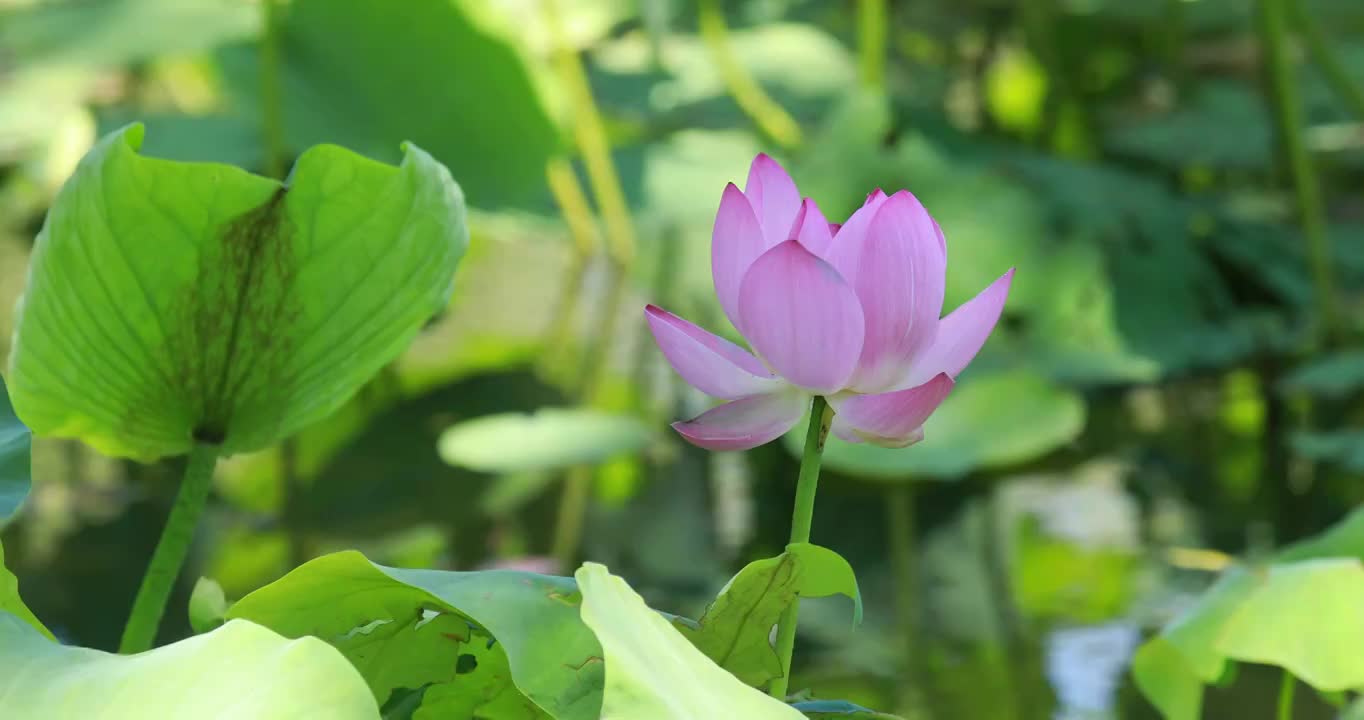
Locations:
(1286, 689)
(590, 133)
(568, 530)
(150, 604)
(900, 518)
(801, 520)
(871, 42)
(1288, 114)
(772, 120)
(582, 229)
(573, 504)
(271, 106)
(1327, 60)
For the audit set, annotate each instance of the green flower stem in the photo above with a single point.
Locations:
(772, 120)
(801, 519)
(1326, 59)
(900, 521)
(590, 133)
(582, 229)
(150, 604)
(1287, 107)
(1286, 689)
(568, 530)
(871, 42)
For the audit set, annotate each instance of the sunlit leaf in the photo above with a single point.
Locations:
(988, 421)
(169, 301)
(824, 573)
(15, 465)
(409, 628)
(652, 671)
(358, 74)
(736, 629)
(547, 439)
(239, 670)
(207, 605)
(1299, 613)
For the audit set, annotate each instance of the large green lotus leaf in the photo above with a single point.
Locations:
(169, 302)
(11, 603)
(988, 421)
(240, 670)
(652, 671)
(486, 691)
(1344, 539)
(1300, 613)
(736, 629)
(364, 75)
(546, 439)
(16, 472)
(408, 628)
(1305, 618)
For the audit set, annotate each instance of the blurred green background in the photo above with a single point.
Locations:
(1176, 380)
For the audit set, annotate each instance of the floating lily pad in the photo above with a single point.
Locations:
(988, 421)
(546, 439)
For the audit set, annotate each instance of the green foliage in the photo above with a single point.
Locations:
(207, 605)
(358, 74)
(547, 439)
(736, 628)
(1223, 125)
(1343, 447)
(11, 605)
(653, 672)
(1054, 578)
(118, 31)
(833, 709)
(15, 465)
(409, 629)
(1300, 612)
(196, 299)
(238, 670)
(988, 421)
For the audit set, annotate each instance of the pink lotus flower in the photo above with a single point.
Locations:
(849, 312)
